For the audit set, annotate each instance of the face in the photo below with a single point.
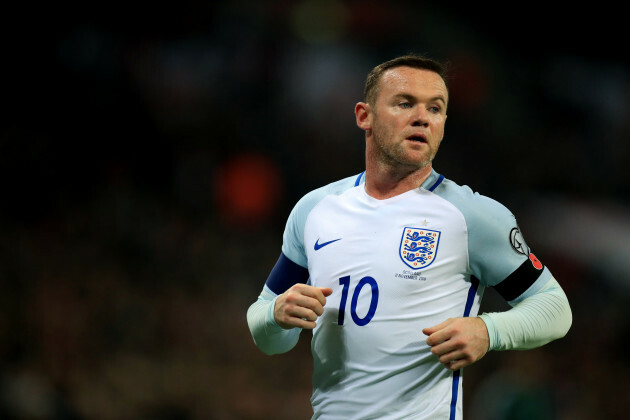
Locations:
(406, 123)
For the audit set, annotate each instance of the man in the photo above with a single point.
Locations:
(388, 268)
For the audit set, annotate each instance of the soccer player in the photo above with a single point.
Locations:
(388, 267)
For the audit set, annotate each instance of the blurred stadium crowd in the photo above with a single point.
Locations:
(151, 154)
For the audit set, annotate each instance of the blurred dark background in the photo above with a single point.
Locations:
(150, 154)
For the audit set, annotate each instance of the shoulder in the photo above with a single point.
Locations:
(293, 236)
(491, 228)
(312, 198)
(473, 205)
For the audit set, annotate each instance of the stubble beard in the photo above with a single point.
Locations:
(393, 155)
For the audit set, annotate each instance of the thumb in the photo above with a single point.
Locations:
(327, 291)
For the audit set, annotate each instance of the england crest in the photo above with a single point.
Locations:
(418, 247)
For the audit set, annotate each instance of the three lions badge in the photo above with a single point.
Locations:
(418, 247)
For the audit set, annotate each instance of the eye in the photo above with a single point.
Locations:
(435, 109)
(404, 104)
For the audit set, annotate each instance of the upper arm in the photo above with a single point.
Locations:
(285, 274)
(499, 255)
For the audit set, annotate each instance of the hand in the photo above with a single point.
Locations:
(300, 306)
(458, 342)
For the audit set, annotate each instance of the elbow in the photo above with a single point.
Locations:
(568, 321)
(267, 351)
(270, 347)
(563, 323)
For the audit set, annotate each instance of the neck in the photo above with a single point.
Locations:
(383, 181)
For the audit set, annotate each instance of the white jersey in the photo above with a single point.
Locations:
(397, 266)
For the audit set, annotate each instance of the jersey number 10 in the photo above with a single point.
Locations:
(345, 282)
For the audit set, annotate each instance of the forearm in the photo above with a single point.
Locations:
(267, 334)
(531, 323)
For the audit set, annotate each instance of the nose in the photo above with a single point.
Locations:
(420, 118)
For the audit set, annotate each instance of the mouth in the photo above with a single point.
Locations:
(420, 138)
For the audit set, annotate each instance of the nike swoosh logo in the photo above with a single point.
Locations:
(319, 246)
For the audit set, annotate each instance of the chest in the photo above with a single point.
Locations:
(417, 237)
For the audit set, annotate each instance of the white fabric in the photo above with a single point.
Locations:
(370, 357)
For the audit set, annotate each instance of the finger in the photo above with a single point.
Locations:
(433, 329)
(306, 325)
(457, 364)
(298, 298)
(443, 348)
(452, 360)
(456, 359)
(302, 312)
(327, 291)
(291, 316)
(451, 356)
(312, 304)
(300, 323)
(314, 292)
(438, 337)
(288, 321)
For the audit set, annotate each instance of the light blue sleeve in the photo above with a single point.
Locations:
(534, 321)
(267, 334)
(497, 251)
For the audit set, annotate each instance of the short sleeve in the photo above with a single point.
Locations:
(293, 237)
(498, 255)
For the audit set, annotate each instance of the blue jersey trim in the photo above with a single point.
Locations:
(358, 181)
(454, 395)
(474, 284)
(285, 274)
(472, 292)
(438, 182)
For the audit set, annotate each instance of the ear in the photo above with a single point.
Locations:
(363, 114)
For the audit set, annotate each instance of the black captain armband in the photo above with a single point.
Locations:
(285, 274)
(521, 279)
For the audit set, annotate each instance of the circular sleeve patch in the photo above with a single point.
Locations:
(518, 242)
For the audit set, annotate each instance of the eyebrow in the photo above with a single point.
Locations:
(412, 98)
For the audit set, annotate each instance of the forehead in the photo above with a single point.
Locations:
(413, 81)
